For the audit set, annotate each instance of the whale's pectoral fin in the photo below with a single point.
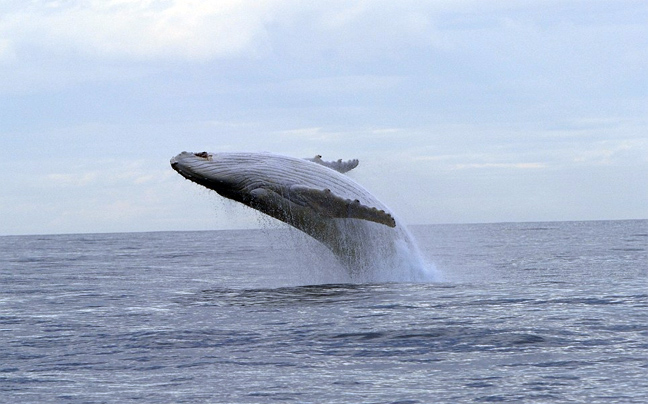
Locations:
(328, 204)
(340, 166)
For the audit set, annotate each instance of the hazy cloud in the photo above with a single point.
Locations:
(143, 29)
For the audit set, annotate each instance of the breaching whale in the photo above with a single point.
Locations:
(313, 196)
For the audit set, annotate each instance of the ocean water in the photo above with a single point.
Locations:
(523, 312)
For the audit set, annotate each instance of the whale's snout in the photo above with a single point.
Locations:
(182, 163)
(202, 169)
(175, 162)
(187, 159)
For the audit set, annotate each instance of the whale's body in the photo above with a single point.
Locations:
(311, 195)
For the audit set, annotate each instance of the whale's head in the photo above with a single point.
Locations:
(215, 171)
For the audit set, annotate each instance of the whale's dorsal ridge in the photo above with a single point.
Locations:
(339, 165)
(326, 203)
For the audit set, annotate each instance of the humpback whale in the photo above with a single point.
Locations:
(312, 195)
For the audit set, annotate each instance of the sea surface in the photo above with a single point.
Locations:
(517, 312)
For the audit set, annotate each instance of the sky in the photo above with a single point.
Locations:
(459, 111)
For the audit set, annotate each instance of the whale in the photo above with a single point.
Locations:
(312, 195)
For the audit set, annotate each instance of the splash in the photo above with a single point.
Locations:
(372, 255)
(389, 255)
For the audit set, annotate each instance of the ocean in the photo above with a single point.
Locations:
(514, 312)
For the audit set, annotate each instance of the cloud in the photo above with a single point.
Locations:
(202, 30)
(342, 84)
(144, 29)
(621, 152)
(58, 195)
(107, 173)
(456, 49)
(70, 179)
(7, 53)
(500, 165)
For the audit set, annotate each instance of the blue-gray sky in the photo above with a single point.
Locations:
(459, 111)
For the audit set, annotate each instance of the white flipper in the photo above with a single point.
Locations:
(324, 202)
(339, 166)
